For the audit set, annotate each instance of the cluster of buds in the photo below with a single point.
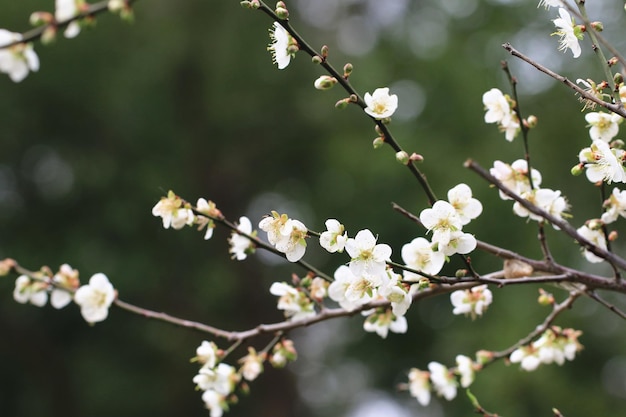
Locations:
(555, 346)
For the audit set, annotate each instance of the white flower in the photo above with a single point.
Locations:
(19, 59)
(467, 208)
(595, 236)
(398, 295)
(206, 354)
(214, 402)
(287, 235)
(546, 199)
(419, 386)
(295, 304)
(95, 298)
(381, 323)
(419, 255)
(367, 256)
(527, 358)
(442, 219)
(220, 379)
(173, 211)
(65, 10)
(567, 30)
(344, 279)
(30, 291)
(206, 207)
(459, 242)
(514, 177)
(252, 365)
(473, 301)
(443, 381)
(603, 126)
(281, 46)
(616, 206)
(499, 111)
(550, 3)
(67, 278)
(334, 238)
(240, 245)
(380, 104)
(601, 163)
(465, 368)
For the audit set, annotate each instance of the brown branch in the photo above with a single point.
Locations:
(615, 108)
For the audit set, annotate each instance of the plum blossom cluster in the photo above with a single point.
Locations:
(500, 110)
(18, 59)
(445, 219)
(286, 235)
(442, 380)
(94, 299)
(555, 346)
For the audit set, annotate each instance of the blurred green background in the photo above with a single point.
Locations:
(187, 98)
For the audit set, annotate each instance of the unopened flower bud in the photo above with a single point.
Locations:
(282, 13)
(545, 298)
(324, 51)
(618, 77)
(595, 224)
(49, 35)
(460, 273)
(255, 4)
(342, 104)
(617, 144)
(317, 59)
(292, 49)
(354, 98)
(484, 356)
(378, 142)
(41, 18)
(597, 26)
(531, 121)
(613, 235)
(347, 70)
(325, 82)
(577, 169)
(115, 6)
(402, 157)
(415, 157)
(6, 265)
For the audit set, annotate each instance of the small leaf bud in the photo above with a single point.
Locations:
(402, 157)
(317, 59)
(531, 121)
(612, 235)
(460, 273)
(354, 98)
(347, 70)
(325, 82)
(423, 283)
(577, 169)
(597, 26)
(378, 142)
(378, 130)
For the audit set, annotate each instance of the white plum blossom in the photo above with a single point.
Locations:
(465, 368)
(603, 163)
(65, 10)
(527, 357)
(615, 206)
(251, 365)
(569, 34)
(337, 290)
(221, 379)
(442, 219)
(240, 245)
(459, 242)
(214, 402)
(95, 298)
(367, 257)
(399, 297)
(173, 211)
(380, 104)
(32, 291)
(295, 303)
(287, 235)
(514, 177)
(499, 111)
(334, 238)
(382, 322)
(550, 3)
(206, 354)
(206, 207)
(283, 46)
(595, 236)
(419, 386)
(603, 126)
(67, 279)
(19, 59)
(467, 207)
(419, 255)
(554, 346)
(473, 301)
(443, 380)
(548, 200)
